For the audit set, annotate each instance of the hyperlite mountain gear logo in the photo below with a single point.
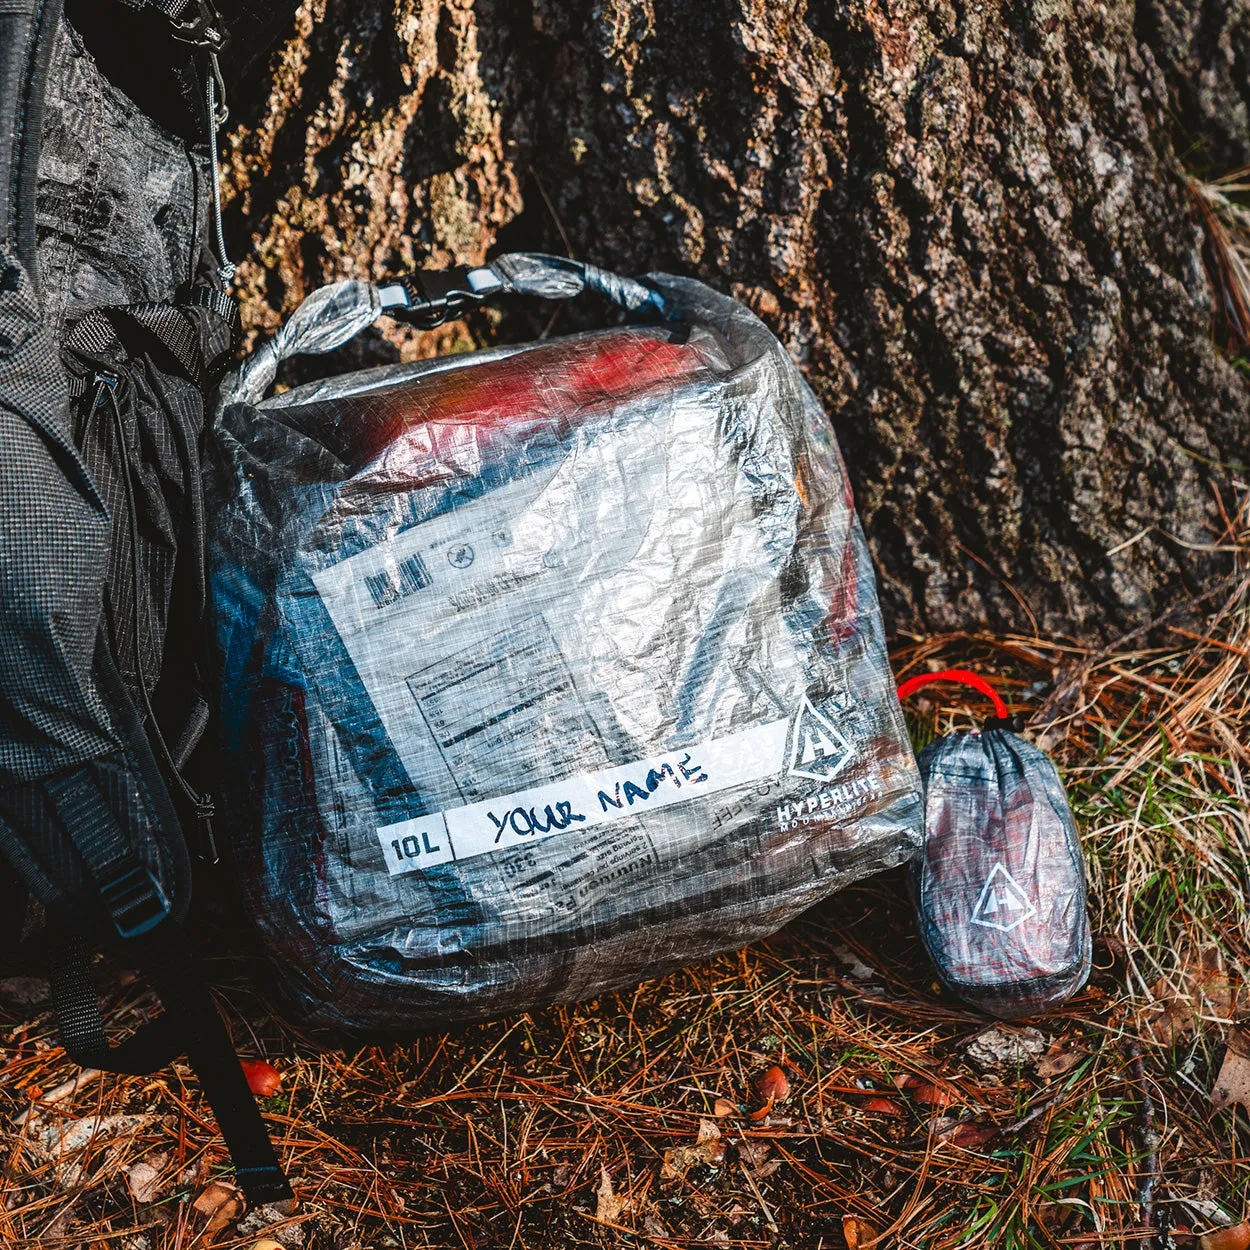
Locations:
(1003, 904)
(817, 750)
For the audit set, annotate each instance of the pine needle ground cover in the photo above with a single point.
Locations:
(817, 1090)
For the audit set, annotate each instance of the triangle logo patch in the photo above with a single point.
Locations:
(819, 750)
(1002, 904)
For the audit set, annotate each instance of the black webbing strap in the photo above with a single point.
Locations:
(175, 331)
(220, 302)
(190, 1024)
(172, 9)
(190, 21)
(97, 335)
(135, 899)
(81, 1023)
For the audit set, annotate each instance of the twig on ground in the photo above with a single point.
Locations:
(1148, 1138)
(58, 1094)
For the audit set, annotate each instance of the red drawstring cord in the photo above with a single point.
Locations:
(961, 675)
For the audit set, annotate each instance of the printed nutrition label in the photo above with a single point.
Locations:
(510, 697)
(454, 626)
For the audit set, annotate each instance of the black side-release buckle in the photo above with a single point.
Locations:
(135, 900)
(433, 295)
(197, 22)
(1015, 722)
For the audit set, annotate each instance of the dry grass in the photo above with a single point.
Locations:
(551, 1129)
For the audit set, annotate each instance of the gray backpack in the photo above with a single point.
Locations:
(114, 322)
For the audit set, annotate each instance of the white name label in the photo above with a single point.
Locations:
(597, 798)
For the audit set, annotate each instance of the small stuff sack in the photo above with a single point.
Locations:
(1000, 886)
(544, 669)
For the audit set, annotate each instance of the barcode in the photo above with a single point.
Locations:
(392, 584)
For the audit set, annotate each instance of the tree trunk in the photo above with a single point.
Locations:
(968, 221)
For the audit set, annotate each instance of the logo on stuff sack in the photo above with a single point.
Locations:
(1002, 904)
(818, 750)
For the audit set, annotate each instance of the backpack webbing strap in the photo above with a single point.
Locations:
(190, 1024)
(220, 302)
(191, 21)
(81, 1023)
(172, 9)
(135, 899)
(174, 329)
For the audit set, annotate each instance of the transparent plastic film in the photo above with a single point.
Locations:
(1000, 887)
(548, 668)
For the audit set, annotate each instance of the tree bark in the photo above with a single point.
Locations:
(968, 221)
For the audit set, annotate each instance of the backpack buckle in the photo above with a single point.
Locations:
(135, 900)
(201, 26)
(429, 297)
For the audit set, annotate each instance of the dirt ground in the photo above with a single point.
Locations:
(814, 1090)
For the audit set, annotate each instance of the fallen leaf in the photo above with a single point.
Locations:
(754, 1154)
(922, 1091)
(222, 1218)
(222, 1203)
(608, 1206)
(214, 1196)
(263, 1079)
(709, 1147)
(882, 1106)
(144, 1178)
(707, 1132)
(1202, 988)
(723, 1107)
(1232, 1085)
(774, 1085)
(267, 1243)
(1059, 1058)
(967, 1135)
(1234, 1237)
(859, 1233)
